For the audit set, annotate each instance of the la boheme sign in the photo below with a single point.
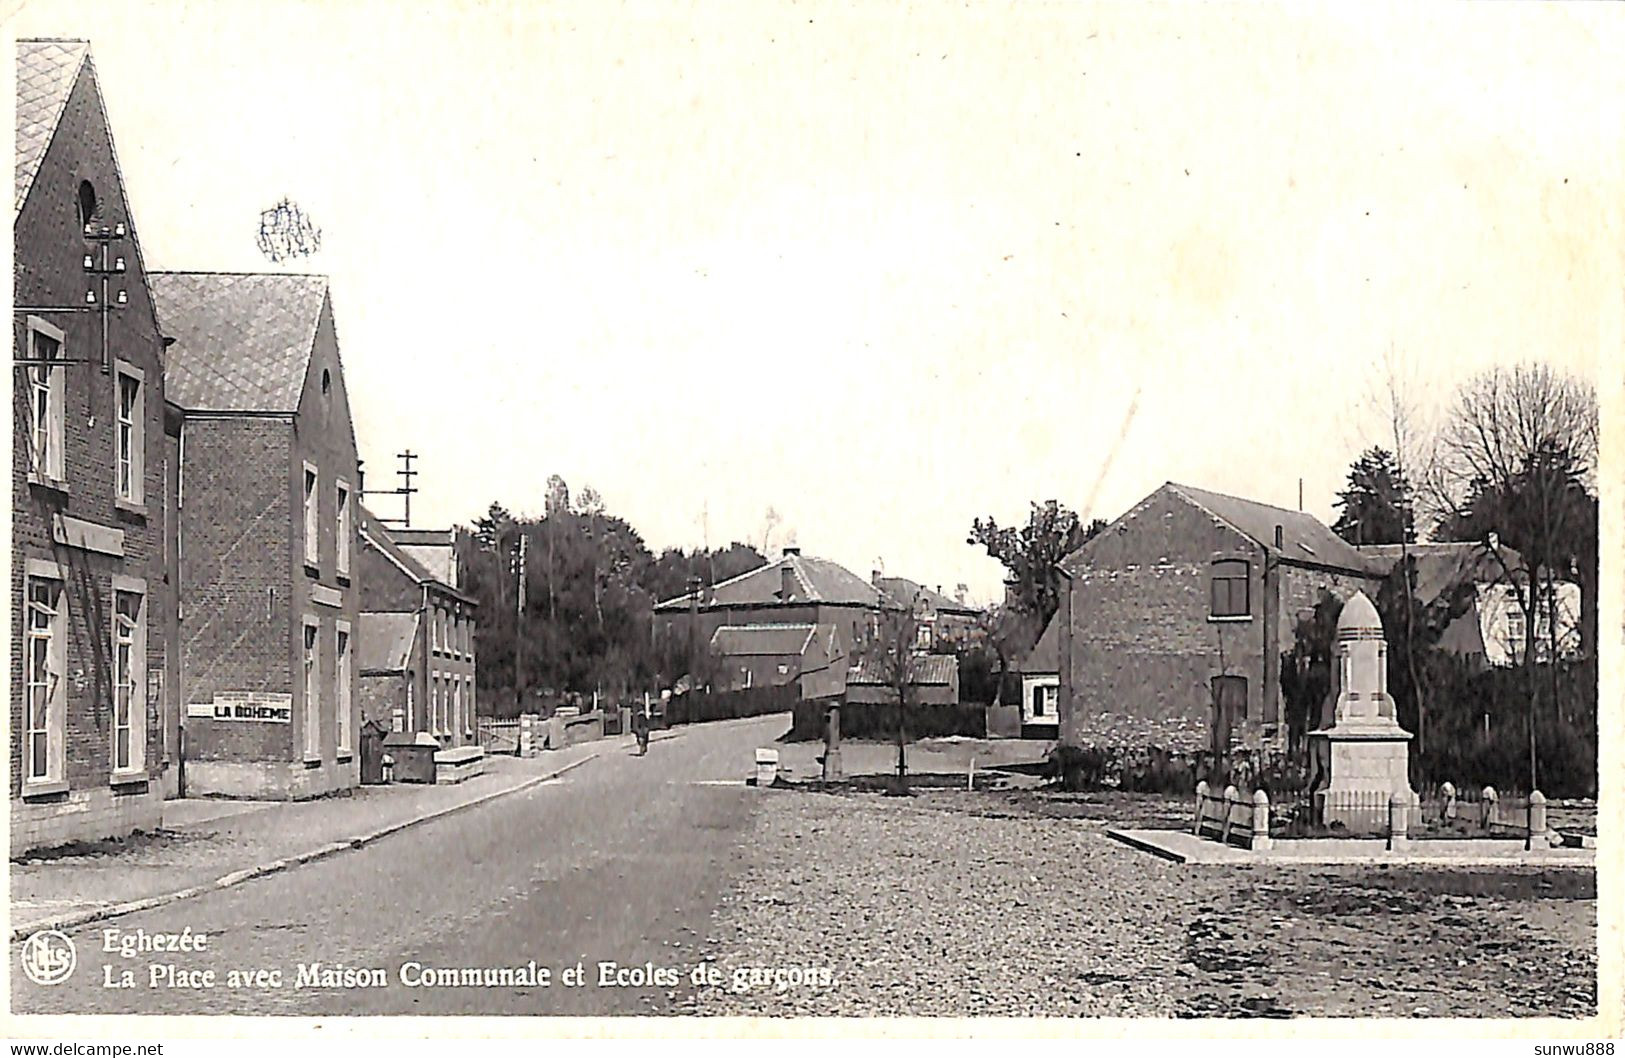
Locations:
(252, 706)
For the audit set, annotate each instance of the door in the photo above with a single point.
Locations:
(1229, 710)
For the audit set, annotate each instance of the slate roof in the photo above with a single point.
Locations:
(385, 642)
(903, 592)
(815, 580)
(1045, 656)
(242, 340)
(759, 640)
(1304, 538)
(924, 670)
(46, 73)
(1441, 566)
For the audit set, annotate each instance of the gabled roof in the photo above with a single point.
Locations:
(903, 592)
(1442, 566)
(47, 70)
(385, 643)
(1045, 656)
(242, 340)
(763, 640)
(813, 580)
(374, 532)
(924, 670)
(1304, 538)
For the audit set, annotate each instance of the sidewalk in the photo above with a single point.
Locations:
(205, 843)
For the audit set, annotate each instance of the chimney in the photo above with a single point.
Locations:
(1278, 537)
(791, 551)
(874, 577)
(694, 595)
(787, 582)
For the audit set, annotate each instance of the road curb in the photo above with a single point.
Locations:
(248, 874)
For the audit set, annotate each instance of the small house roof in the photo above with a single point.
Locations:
(385, 643)
(1045, 656)
(376, 534)
(1444, 565)
(923, 670)
(1304, 538)
(762, 640)
(903, 592)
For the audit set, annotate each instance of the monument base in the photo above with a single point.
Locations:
(1363, 768)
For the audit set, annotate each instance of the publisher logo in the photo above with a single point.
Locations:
(48, 957)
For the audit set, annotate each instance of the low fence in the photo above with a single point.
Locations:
(879, 721)
(1253, 819)
(498, 736)
(698, 707)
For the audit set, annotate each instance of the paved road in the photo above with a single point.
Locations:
(622, 860)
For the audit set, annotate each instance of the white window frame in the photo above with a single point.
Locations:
(342, 519)
(52, 383)
(311, 482)
(310, 648)
(131, 681)
(136, 456)
(456, 707)
(468, 707)
(343, 649)
(49, 682)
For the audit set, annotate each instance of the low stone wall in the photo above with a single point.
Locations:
(84, 815)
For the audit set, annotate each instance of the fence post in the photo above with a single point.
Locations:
(1232, 797)
(1448, 792)
(1201, 795)
(1261, 820)
(1398, 820)
(1487, 809)
(1537, 819)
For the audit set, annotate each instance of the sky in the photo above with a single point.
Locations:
(886, 269)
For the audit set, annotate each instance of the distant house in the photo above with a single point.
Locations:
(1173, 620)
(933, 680)
(797, 589)
(1492, 629)
(267, 499)
(426, 686)
(812, 657)
(1040, 672)
(941, 621)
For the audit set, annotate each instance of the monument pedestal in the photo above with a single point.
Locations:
(1365, 768)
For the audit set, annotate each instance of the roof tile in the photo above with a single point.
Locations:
(46, 73)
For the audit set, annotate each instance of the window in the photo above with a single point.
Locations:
(313, 695)
(341, 553)
(45, 400)
(342, 656)
(129, 677)
(468, 707)
(130, 458)
(1038, 701)
(1230, 598)
(311, 495)
(43, 679)
(87, 204)
(456, 706)
(922, 636)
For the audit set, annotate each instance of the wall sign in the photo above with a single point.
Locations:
(252, 706)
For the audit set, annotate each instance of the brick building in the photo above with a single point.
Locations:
(797, 589)
(265, 553)
(89, 668)
(417, 643)
(1173, 620)
(940, 621)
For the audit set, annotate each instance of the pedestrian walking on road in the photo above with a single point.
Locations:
(640, 727)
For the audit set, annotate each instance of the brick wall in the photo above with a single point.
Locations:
(49, 247)
(1138, 647)
(238, 613)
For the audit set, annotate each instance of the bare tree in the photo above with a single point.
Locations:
(1515, 449)
(894, 655)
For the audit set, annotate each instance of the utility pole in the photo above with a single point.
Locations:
(519, 626)
(405, 490)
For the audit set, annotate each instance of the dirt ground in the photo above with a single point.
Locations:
(1014, 902)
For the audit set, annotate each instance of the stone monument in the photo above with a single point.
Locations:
(1364, 756)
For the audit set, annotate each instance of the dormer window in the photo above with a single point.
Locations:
(1230, 597)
